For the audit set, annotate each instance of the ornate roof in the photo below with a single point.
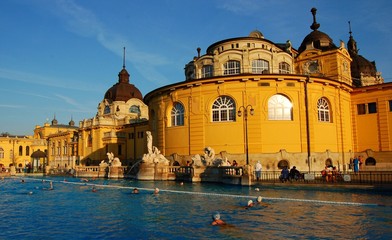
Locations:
(320, 40)
(123, 90)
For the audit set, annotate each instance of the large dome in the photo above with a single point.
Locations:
(123, 90)
(319, 39)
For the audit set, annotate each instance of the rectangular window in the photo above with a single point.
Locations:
(231, 67)
(361, 109)
(206, 71)
(119, 150)
(372, 107)
(390, 105)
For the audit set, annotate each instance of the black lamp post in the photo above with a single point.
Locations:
(245, 116)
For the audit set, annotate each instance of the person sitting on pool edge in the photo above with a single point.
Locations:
(216, 220)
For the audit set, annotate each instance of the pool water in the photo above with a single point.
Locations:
(73, 211)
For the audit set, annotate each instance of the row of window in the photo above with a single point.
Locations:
(27, 151)
(224, 109)
(370, 108)
(231, 67)
(132, 109)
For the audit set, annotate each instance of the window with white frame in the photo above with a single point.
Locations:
(231, 67)
(177, 115)
(223, 109)
(260, 66)
(323, 110)
(207, 71)
(279, 108)
(284, 68)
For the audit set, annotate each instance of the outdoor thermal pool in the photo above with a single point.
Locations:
(73, 211)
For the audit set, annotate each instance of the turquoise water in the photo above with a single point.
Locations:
(73, 211)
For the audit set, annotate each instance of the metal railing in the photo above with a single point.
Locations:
(362, 177)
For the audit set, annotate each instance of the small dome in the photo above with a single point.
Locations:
(256, 34)
(54, 121)
(123, 90)
(71, 123)
(319, 39)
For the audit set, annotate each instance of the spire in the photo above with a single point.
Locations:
(352, 44)
(54, 121)
(124, 59)
(71, 123)
(314, 25)
(123, 76)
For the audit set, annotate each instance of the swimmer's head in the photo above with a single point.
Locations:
(156, 190)
(216, 216)
(259, 199)
(250, 202)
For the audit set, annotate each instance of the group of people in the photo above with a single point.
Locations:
(331, 174)
(216, 218)
(290, 175)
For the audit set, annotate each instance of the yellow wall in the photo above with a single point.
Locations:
(264, 135)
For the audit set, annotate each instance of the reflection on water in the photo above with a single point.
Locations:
(73, 210)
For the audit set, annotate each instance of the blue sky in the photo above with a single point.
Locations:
(58, 57)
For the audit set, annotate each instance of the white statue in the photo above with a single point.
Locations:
(116, 162)
(149, 142)
(197, 161)
(209, 155)
(153, 155)
(110, 156)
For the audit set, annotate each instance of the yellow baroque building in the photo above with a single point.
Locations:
(250, 99)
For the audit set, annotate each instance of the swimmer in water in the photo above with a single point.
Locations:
(135, 191)
(93, 189)
(250, 204)
(216, 220)
(156, 190)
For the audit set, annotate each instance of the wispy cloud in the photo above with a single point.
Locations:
(80, 106)
(11, 106)
(85, 23)
(40, 80)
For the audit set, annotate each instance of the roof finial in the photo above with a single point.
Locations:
(314, 25)
(349, 27)
(124, 59)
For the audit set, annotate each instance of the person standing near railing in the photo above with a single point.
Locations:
(356, 165)
(258, 169)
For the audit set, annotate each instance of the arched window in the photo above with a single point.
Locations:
(223, 109)
(231, 67)
(27, 151)
(89, 141)
(1, 153)
(323, 110)
(207, 71)
(284, 68)
(20, 150)
(282, 164)
(279, 108)
(260, 66)
(135, 109)
(107, 110)
(328, 162)
(177, 115)
(370, 161)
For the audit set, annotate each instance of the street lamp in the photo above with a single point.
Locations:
(245, 116)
